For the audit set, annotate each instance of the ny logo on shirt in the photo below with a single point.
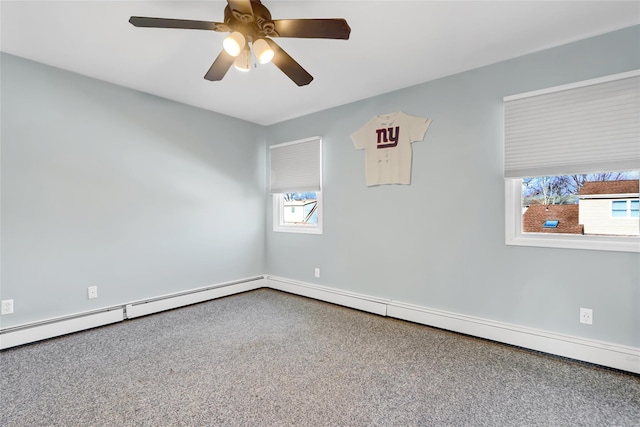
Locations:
(386, 137)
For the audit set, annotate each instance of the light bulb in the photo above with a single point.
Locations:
(243, 61)
(234, 43)
(263, 51)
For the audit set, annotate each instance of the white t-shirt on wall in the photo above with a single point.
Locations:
(387, 140)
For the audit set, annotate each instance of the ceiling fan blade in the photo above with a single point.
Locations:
(219, 67)
(241, 7)
(288, 65)
(143, 21)
(313, 28)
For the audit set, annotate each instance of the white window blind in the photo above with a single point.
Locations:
(296, 167)
(590, 126)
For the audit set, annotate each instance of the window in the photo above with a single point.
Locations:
(559, 139)
(297, 212)
(296, 180)
(624, 208)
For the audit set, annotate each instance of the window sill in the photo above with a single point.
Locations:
(601, 243)
(303, 229)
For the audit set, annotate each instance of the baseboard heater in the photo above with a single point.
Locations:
(50, 328)
(334, 296)
(167, 302)
(592, 351)
(12, 337)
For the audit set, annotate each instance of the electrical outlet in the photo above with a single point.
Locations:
(7, 306)
(92, 292)
(317, 272)
(586, 316)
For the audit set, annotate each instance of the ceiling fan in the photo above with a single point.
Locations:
(248, 21)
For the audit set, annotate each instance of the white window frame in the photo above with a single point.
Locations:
(278, 216)
(515, 236)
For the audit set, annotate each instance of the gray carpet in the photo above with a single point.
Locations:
(266, 358)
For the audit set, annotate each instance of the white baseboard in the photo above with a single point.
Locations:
(597, 352)
(171, 301)
(56, 327)
(41, 330)
(332, 295)
(601, 353)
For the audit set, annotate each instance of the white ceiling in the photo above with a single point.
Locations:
(393, 44)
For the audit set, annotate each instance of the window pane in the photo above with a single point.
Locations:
(619, 209)
(582, 204)
(620, 205)
(300, 208)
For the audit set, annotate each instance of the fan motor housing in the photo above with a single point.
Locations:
(253, 26)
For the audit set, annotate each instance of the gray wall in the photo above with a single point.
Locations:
(105, 186)
(439, 242)
(142, 197)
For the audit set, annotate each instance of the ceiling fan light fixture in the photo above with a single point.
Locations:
(251, 28)
(263, 51)
(234, 43)
(243, 61)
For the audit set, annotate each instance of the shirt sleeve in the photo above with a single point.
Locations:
(360, 137)
(418, 127)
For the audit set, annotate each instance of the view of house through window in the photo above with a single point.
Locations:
(300, 208)
(298, 212)
(604, 204)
